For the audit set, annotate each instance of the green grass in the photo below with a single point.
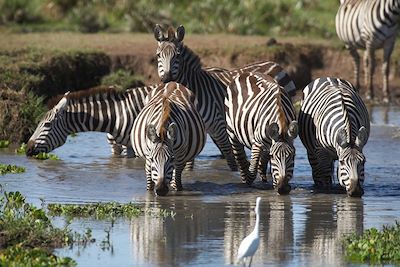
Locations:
(44, 156)
(122, 79)
(374, 246)
(4, 143)
(4, 169)
(21, 149)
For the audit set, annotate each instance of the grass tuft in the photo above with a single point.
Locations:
(4, 169)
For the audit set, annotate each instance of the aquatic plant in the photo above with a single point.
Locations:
(4, 143)
(19, 256)
(44, 156)
(21, 149)
(23, 227)
(10, 169)
(375, 246)
(101, 211)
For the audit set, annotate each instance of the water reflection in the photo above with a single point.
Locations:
(328, 220)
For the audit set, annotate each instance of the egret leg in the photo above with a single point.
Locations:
(251, 259)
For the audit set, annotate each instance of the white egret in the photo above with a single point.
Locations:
(250, 244)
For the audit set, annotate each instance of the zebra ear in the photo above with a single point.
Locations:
(158, 33)
(273, 131)
(151, 133)
(362, 137)
(62, 104)
(341, 138)
(293, 129)
(171, 133)
(180, 33)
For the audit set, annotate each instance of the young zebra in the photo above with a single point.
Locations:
(261, 116)
(176, 62)
(167, 133)
(334, 125)
(369, 25)
(100, 109)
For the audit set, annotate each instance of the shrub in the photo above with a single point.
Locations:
(123, 79)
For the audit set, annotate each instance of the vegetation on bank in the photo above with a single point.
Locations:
(374, 246)
(28, 237)
(287, 17)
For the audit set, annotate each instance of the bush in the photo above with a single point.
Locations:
(123, 79)
(87, 19)
(21, 11)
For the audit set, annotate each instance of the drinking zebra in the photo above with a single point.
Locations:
(102, 109)
(167, 133)
(261, 116)
(369, 25)
(176, 62)
(334, 125)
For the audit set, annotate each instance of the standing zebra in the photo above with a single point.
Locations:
(167, 133)
(99, 109)
(176, 62)
(334, 125)
(261, 116)
(369, 25)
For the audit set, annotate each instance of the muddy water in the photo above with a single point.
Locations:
(215, 211)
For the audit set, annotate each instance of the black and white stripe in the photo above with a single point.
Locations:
(101, 110)
(176, 62)
(334, 125)
(261, 116)
(369, 25)
(167, 133)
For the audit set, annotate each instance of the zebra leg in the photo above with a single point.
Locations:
(369, 67)
(189, 165)
(150, 183)
(322, 169)
(387, 52)
(222, 141)
(241, 159)
(262, 167)
(256, 151)
(356, 61)
(176, 182)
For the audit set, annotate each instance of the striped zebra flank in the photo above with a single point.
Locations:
(334, 125)
(102, 109)
(260, 115)
(167, 133)
(176, 62)
(369, 25)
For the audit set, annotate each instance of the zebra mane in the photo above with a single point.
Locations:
(77, 95)
(166, 110)
(346, 115)
(283, 124)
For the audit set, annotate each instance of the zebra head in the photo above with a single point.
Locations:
(282, 154)
(169, 52)
(50, 133)
(351, 161)
(161, 157)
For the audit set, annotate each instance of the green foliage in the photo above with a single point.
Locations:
(375, 246)
(19, 256)
(21, 149)
(4, 143)
(123, 79)
(24, 224)
(286, 17)
(20, 11)
(32, 111)
(44, 156)
(99, 211)
(4, 169)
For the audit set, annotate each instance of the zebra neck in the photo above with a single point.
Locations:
(100, 114)
(391, 11)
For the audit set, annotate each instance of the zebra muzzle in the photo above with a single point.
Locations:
(161, 188)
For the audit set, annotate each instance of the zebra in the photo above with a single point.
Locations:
(176, 62)
(102, 109)
(167, 133)
(334, 125)
(260, 115)
(369, 25)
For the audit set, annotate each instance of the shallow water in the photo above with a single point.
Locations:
(215, 211)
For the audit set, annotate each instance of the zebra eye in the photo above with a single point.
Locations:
(47, 124)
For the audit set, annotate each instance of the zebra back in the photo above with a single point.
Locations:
(360, 23)
(102, 109)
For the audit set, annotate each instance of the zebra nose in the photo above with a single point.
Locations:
(161, 188)
(167, 77)
(29, 149)
(355, 191)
